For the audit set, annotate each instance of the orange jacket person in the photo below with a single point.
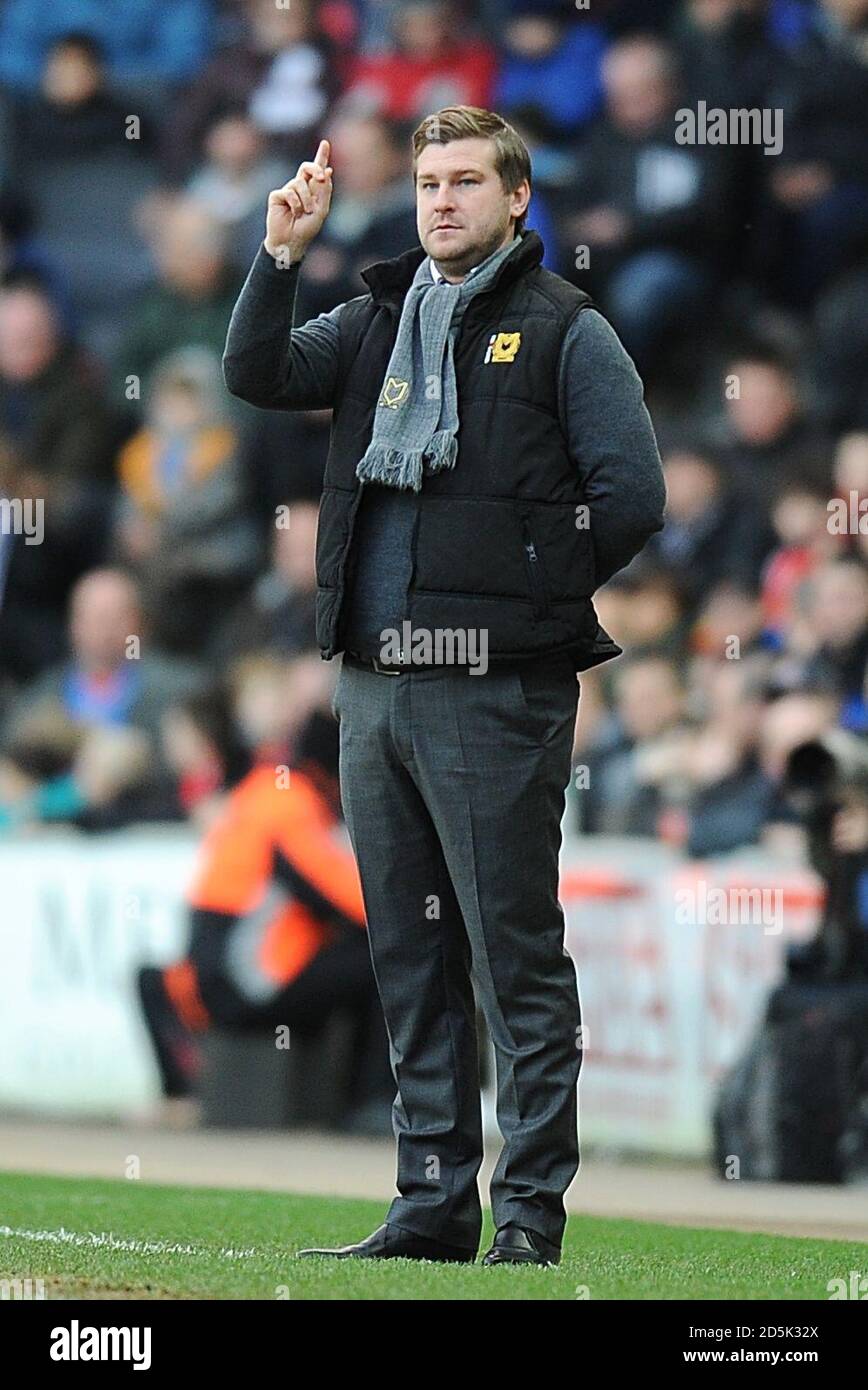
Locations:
(277, 925)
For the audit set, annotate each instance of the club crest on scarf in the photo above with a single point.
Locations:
(394, 393)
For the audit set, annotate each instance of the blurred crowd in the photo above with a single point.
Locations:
(158, 640)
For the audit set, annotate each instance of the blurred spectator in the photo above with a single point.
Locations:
(42, 553)
(190, 301)
(36, 782)
(236, 179)
(56, 440)
(800, 518)
(112, 678)
(181, 523)
(623, 795)
(375, 24)
(278, 615)
(771, 439)
(294, 94)
(711, 534)
(729, 623)
(838, 615)
(203, 749)
(185, 440)
(851, 466)
(277, 930)
(24, 257)
(272, 696)
(72, 113)
(428, 68)
(52, 413)
(280, 70)
(646, 605)
(551, 66)
(818, 185)
(146, 41)
(727, 51)
(94, 779)
(652, 213)
(730, 794)
(115, 777)
(82, 161)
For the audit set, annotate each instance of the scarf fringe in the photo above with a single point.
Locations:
(442, 451)
(394, 467)
(403, 468)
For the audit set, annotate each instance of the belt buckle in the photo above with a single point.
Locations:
(384, 670)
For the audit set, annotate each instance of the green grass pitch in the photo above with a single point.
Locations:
(114, 1239)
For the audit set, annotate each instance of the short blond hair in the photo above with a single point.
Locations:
(511, 159)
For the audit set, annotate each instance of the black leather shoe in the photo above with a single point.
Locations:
(394, 1243)
(516, 1246)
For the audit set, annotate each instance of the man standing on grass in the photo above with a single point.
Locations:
(492, 462)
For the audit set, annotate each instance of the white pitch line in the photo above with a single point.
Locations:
(101, 1241)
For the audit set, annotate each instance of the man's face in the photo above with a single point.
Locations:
(422, 29)
(189, 250)
(363, 158)
(839, 610)
(649, 700)
(28, 334)
(71, 76)
(766, 404)
(104, 615)
(638, 91)
(463, 211)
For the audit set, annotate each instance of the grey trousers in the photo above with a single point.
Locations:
(453, 791)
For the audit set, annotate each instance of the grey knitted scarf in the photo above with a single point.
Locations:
(416, 419)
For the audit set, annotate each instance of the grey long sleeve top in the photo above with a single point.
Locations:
(270, 362)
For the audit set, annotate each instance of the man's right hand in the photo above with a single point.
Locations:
(297, 211)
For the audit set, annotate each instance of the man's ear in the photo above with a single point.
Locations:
(524, 185)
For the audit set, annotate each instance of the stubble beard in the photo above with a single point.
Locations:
(465, 260)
